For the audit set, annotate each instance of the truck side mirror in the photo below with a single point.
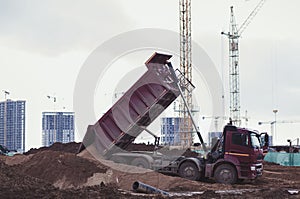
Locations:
(264, 137)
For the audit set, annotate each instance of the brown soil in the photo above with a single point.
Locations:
(71, 147)
(62, 169)
(49, 173)
(15, 184)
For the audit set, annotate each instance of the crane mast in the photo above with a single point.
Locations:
(186, 127)
(234, 74)
(234, 77)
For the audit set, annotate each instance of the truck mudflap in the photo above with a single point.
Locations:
(136, 109)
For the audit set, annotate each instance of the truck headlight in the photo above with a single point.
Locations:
(252, 168)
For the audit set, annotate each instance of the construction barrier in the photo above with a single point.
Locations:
(283, 158)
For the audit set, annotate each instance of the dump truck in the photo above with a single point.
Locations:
(237, 155)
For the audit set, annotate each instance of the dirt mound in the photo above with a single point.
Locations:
(16, 185)
(41, 174)
(125, 175)
(71, 147)
(16, 159)
(62, 169)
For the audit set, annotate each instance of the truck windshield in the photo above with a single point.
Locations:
(255, 140)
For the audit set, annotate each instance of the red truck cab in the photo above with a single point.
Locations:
(237, 155)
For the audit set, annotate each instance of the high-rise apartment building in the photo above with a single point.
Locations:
(57, 127)
(170, 130)
(12, 124)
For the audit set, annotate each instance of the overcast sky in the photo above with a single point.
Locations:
(45, 43)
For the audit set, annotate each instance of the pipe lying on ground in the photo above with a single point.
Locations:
(141, 187)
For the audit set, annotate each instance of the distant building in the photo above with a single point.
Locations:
(12, 124)
(170, 130)
(270, 140)
(213, 137)
(57, 127)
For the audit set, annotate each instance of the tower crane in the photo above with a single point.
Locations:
(272, 123)
(5, 93)
(279, 121)
(218, 118)
(186, 126)
(234, 80)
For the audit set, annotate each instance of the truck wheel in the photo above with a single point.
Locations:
(189, 170)
(140, 162)
(225, 174)
(118, 159)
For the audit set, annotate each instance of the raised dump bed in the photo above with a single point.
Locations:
(136, 109)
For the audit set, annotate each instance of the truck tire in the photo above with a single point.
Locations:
(118, 159)
(140, 162)
(189, 170)
(225, 174)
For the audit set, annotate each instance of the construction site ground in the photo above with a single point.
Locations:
(58, 172)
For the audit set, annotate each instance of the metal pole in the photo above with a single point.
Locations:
(145, 188)
(187, 107)
(275, 129)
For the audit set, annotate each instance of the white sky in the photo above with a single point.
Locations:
(45, 43)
